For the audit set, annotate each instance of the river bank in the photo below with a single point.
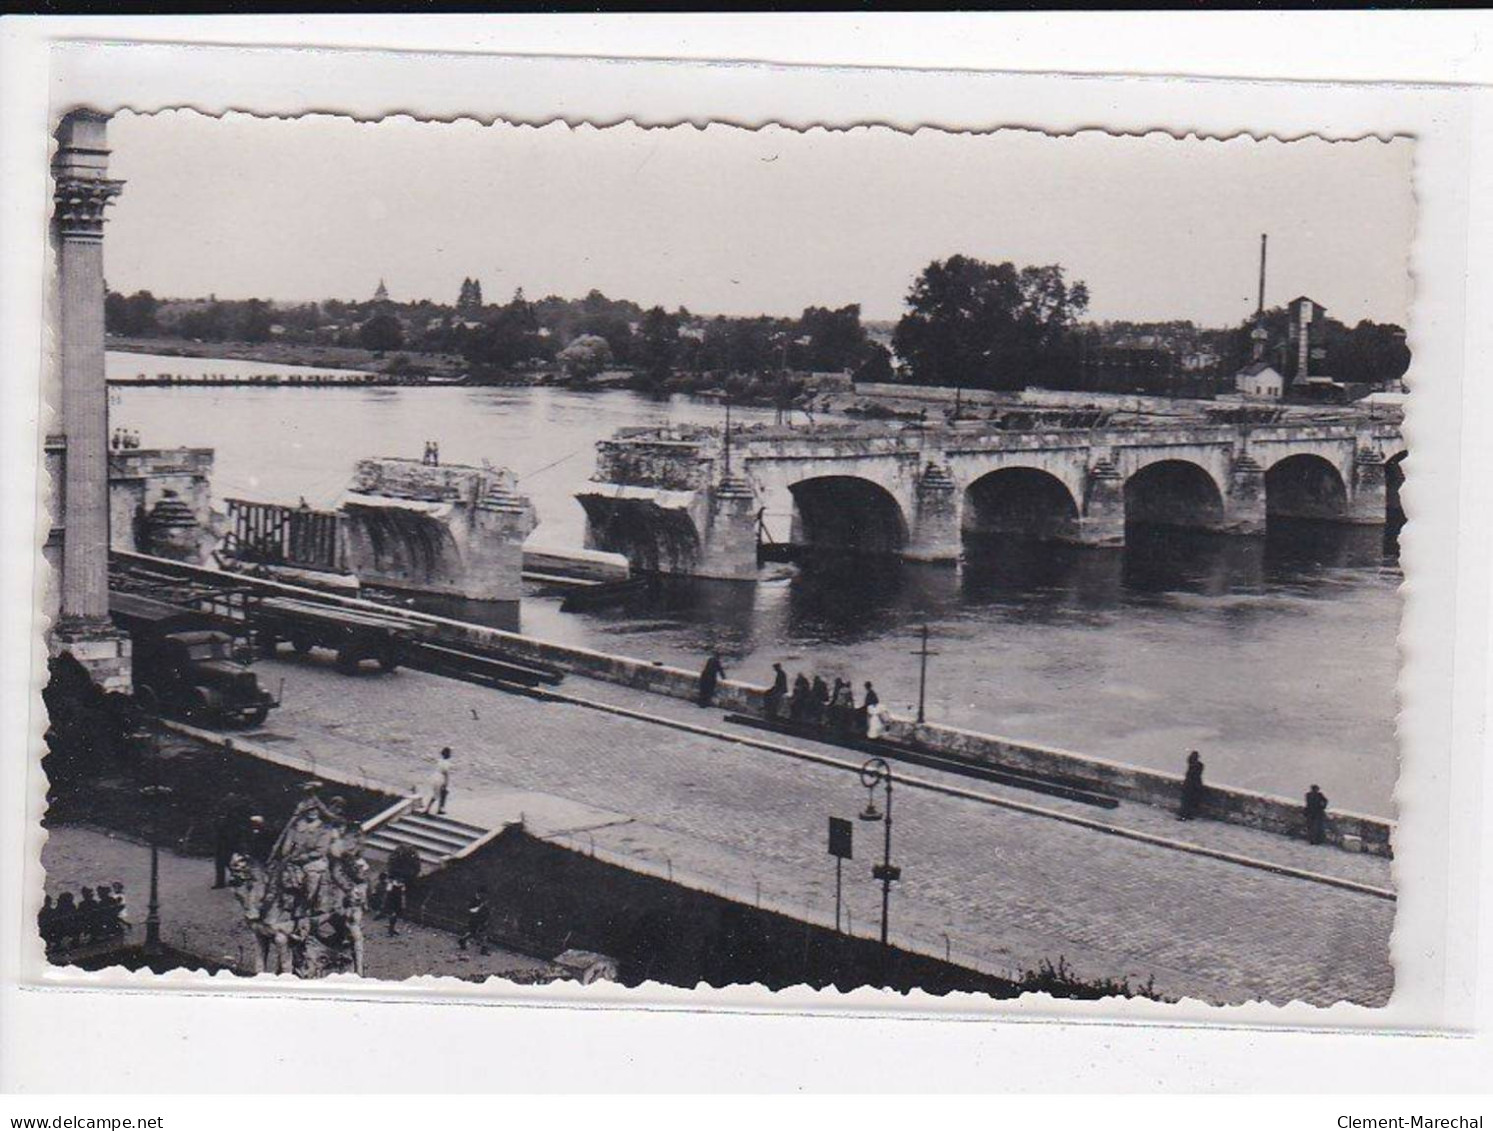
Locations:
(446, 366)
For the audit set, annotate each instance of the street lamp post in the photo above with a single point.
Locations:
(153, 795)
(873, 773)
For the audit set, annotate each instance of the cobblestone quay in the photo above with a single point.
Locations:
(996, 888)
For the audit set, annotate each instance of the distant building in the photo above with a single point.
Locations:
(1305, 341)
(1260, 379)
(382, 294)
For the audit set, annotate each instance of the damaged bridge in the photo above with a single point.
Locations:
(694, 501)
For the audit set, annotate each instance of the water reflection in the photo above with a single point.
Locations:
(840, 599)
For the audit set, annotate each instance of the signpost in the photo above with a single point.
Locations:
(841, 833)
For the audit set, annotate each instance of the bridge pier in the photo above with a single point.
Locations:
(728, 548)
(936, 534)
(1102, 522)
(1368, 494)
(1244, 500)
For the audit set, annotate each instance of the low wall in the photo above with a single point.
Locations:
(549, 898)
(1352, 831)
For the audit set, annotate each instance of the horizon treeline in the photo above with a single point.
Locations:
(968, 323)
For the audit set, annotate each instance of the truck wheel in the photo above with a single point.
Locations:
(267, 642)
(388, 657)
(348, 659)
(199, 706)
(257, 716)
(302, 643)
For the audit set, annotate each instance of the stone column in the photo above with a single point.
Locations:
(1368, 497)
(935, 534)
(1103, 519)
(82, 191)
(1244, 502)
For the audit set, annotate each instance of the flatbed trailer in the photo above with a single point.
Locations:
(354, 634)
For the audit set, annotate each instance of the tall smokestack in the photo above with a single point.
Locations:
(1257, 336)
(1260, 310)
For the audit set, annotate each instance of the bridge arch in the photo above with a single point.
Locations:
(1305, 486)
(1020, 500)
(846, 512)
(653, 538)
(1173, 492)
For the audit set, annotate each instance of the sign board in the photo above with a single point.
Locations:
(840, 833)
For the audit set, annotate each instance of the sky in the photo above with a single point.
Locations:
(732, 221)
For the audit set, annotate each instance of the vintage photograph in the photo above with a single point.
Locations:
(843, 558)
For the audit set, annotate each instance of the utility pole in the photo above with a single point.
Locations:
(728, 436)
(922, 653)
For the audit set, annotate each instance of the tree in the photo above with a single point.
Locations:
(1374, 353)
(988, 325)
(254, 321)
(380, 333)
(469, 304)
(134, 316)
(877, 367)
(837, 340)
(658, 347)
(585, 357)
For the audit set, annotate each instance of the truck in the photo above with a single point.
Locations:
(187, 663)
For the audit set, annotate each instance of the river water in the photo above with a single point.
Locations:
(1274, 657)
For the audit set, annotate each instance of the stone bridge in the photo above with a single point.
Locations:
(681, 500)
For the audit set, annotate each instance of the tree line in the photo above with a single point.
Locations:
(967, 323)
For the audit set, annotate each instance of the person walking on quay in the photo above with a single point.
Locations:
(1192, 788)
(479, 913)
(1316, 815)
(777, 692)
(710, 677)
(798, 702)
(438, 785)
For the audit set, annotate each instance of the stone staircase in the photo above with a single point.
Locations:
(436, 838)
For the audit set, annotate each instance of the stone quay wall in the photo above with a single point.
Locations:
(1355, 832)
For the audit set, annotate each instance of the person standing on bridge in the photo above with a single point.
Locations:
(777, 692)
(710, 677)
(1316, 815)
(869, 706)
(1192, 788)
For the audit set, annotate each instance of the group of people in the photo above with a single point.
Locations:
(816, 703)
(94, 915)
(123, 439)
(809, 702)
(432, 454)
(1314, 807)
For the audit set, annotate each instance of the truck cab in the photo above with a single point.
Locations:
(186, 664)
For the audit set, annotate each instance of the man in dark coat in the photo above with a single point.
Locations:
(710, 676)
(818, 701)
(777, 692)
(1192, 788)
(798, 702)
(1316, 815)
